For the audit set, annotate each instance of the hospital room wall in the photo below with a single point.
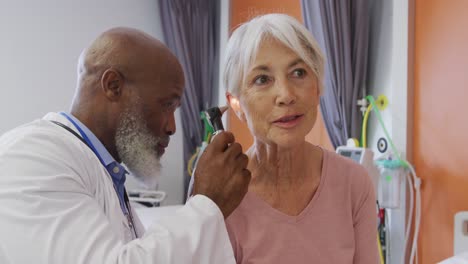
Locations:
(41, 42)
(242, 11)
(440, 121)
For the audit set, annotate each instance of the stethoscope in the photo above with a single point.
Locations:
(127, 211)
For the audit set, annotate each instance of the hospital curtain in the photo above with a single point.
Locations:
(191, 31)
(342, 30)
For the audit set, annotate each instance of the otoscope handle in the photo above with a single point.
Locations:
(214, 117)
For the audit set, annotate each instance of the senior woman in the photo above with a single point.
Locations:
(304, 204)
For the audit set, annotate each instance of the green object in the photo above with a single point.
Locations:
(208, 130)
(391, 164)
(382, 102)
(388, 178)
(379, 117)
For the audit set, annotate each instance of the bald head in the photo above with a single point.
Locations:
(129, 51)
(126, 68)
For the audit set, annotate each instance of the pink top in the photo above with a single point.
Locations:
(338, 226)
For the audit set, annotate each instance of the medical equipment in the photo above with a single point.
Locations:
(212, 118)
(360, 155)
(391, 174)
(363, 156)
(212, 126)
(382, 145)
(395, 168)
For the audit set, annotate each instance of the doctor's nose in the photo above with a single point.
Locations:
(171, 126)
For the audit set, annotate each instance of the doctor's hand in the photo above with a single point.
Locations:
(222, 173)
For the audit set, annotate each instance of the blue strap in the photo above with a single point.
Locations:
(86, 139)
(124, 206)
(124, 201)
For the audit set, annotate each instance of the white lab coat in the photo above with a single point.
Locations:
(58, 205)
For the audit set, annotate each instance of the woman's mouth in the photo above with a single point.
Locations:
(288, 121)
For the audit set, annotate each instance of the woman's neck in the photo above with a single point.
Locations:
(272, 165)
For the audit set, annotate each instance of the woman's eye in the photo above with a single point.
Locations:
(260, 80)
(299, 73)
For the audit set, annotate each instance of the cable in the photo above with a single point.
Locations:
(410, 215)
(208, 137)
(417, 187)
(364, 127)
(190, 164)
(191, 160)
(380, 229)
(380, 250)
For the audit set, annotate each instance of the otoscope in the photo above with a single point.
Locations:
(212, 117)
(213, 125)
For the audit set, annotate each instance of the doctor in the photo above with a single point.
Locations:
(62, 196)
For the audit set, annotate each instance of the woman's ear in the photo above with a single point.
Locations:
(235, 105)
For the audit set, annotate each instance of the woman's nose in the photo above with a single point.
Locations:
(286, 93)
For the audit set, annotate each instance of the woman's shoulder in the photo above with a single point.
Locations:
(346, 171)
(351, 178)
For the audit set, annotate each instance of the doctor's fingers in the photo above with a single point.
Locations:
(239, 182)
(234, 151)
(239, 170)
(221, 142)
(242, 161)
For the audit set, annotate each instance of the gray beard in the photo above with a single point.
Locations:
(136, 147)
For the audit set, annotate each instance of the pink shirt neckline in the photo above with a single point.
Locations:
(260, 204)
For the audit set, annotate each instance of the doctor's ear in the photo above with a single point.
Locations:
(112, 84)
(235, 105)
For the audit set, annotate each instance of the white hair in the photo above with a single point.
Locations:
(136, 146)
(243, 46)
